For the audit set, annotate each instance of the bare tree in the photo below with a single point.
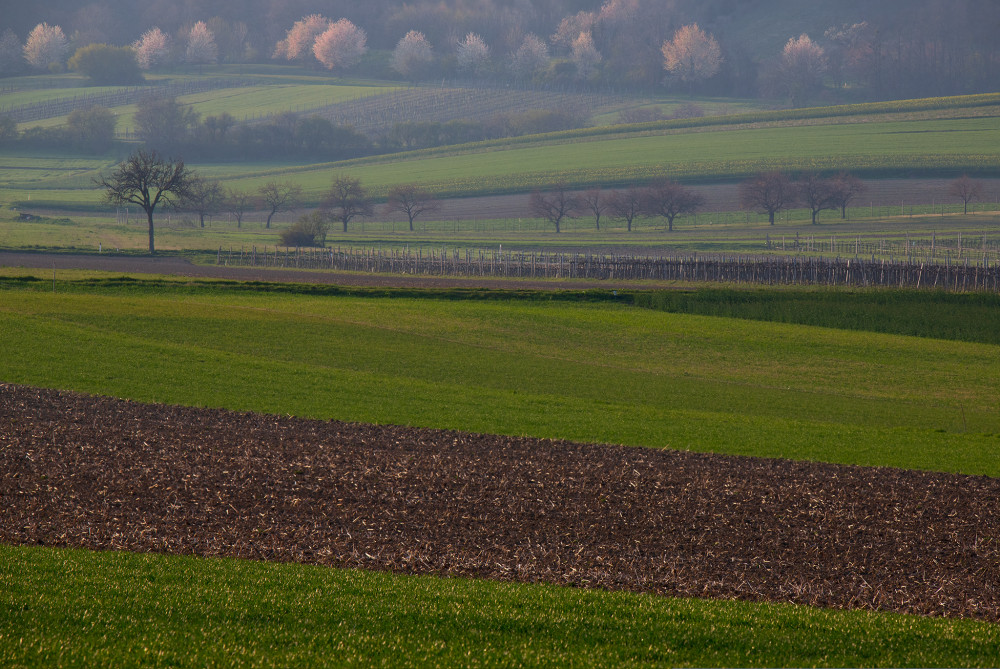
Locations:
(816, 193)
(670, 199)
(966, 189)
(204, 197)
(767, 193)
(341, 45)
(692, 55)
(93, 128)
(626, 205)
(279, 196)
(411, 200)
(11, 54)
(845, 187)
(348, 199)
(148, 180)
(162, 121)
(238, 203)
(597, 202)
(554, 205)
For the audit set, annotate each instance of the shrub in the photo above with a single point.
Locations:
(309, 230)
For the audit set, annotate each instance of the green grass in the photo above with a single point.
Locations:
(880, 142)
(71, 608)
(590, 372)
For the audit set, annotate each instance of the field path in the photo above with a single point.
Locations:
(104, 473)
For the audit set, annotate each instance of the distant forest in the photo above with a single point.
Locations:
(852, 50)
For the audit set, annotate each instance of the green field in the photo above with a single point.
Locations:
(583, 366)
(929, 137)
(78, 609)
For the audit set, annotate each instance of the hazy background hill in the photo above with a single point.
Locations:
(875, 49)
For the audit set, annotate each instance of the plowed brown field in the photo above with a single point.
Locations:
(104, 473)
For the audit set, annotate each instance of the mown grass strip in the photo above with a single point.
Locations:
(73, 608)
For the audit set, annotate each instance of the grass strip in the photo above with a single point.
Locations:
(74, 608)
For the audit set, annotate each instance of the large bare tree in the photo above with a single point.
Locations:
(348, 199)
(554, 205)
(767, 194)
(597, 202)
(410, 200)
(845, 188)
(816, 193)
(626, 205)
(204, 197)
(279, 196)
(238, 203)
(670, 199)
(966, 189)
(148, 180)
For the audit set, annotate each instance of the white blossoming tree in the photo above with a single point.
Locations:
(585, 55)
(201, 47)
(45, 45)
(692, 55)
(530, 57)
(473, 54)
(301, 37)
(152, 49)
(341, 45)
(413, 55)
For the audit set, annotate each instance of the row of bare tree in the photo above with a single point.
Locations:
(149, 180)
(769, 193)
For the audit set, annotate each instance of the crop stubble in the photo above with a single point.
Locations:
(105, 473)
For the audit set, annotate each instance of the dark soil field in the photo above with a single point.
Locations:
(105, 473)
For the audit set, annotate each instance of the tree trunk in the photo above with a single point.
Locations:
(770, 217)
(149, 218)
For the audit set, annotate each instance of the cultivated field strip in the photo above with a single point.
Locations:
(105, 473)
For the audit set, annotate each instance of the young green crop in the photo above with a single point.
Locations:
(72, 608)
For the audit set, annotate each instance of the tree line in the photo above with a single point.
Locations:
(150, 180)
(164, 124)
(883, 50)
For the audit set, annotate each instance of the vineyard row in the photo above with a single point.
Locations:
(765, 270)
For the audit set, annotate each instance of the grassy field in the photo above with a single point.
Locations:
(582, 366)
(77, 608)
(882, 142)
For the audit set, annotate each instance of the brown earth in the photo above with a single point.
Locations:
(104, 473)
